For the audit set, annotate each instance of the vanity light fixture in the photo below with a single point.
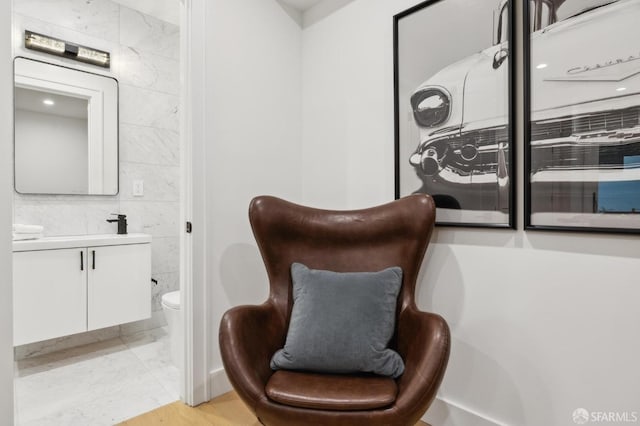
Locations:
(54, 46)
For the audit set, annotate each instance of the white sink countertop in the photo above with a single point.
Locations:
(72, 241)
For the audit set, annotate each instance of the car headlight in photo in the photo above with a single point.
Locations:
(431, 106)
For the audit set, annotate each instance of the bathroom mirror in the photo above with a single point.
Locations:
(65, 130)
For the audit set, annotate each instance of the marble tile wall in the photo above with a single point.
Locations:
(145, 60)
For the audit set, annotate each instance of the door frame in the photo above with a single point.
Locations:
(196, 387)
(6, 213)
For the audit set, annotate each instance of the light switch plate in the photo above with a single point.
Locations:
(138, 188)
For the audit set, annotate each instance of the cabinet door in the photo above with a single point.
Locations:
(49, 294)
(119, 284)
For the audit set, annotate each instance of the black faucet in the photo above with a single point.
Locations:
(122, 223)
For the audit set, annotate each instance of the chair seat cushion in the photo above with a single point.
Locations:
(330, 391)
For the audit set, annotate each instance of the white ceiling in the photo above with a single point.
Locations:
(169, 10)
(65, 106)
(308, 12)
(301, 5)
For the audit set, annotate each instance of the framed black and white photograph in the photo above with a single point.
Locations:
(453, 71)
(582, 115)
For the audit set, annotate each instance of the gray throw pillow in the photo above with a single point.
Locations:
(342, 322)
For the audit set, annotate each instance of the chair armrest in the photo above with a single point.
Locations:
(424, 342)
(248, 338)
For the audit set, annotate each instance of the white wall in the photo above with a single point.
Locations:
(6, 188)
(542, 323)
(347, 132)
(252, 140)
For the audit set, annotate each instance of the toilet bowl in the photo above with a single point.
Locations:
(171, 309)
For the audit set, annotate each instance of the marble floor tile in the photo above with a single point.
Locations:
(157, 320)
(101, 383)
(153, 350)
(35, 349)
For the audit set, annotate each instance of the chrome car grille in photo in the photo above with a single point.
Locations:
(595, 140)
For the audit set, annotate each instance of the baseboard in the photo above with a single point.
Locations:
(218, 383)
(444, 412)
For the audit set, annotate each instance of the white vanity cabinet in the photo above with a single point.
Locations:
(118, 285)
(49, 295)
(68, 285)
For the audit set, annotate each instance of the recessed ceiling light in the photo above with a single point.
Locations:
(48, 102)
(541, 66)
(621, 89)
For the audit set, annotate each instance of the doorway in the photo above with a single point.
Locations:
(148, 69)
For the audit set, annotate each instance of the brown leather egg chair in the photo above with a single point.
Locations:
(394, 234)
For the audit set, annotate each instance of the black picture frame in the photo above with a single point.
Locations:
(582, 116)
(454, 67)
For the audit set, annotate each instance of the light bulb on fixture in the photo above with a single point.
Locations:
(54, 46)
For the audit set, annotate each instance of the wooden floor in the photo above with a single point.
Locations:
(225, 410)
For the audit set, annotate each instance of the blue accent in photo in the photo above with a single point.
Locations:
(621, 197)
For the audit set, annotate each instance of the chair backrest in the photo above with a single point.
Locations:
(367, 240)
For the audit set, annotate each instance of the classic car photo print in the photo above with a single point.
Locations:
(582, 115)
(454, 109)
